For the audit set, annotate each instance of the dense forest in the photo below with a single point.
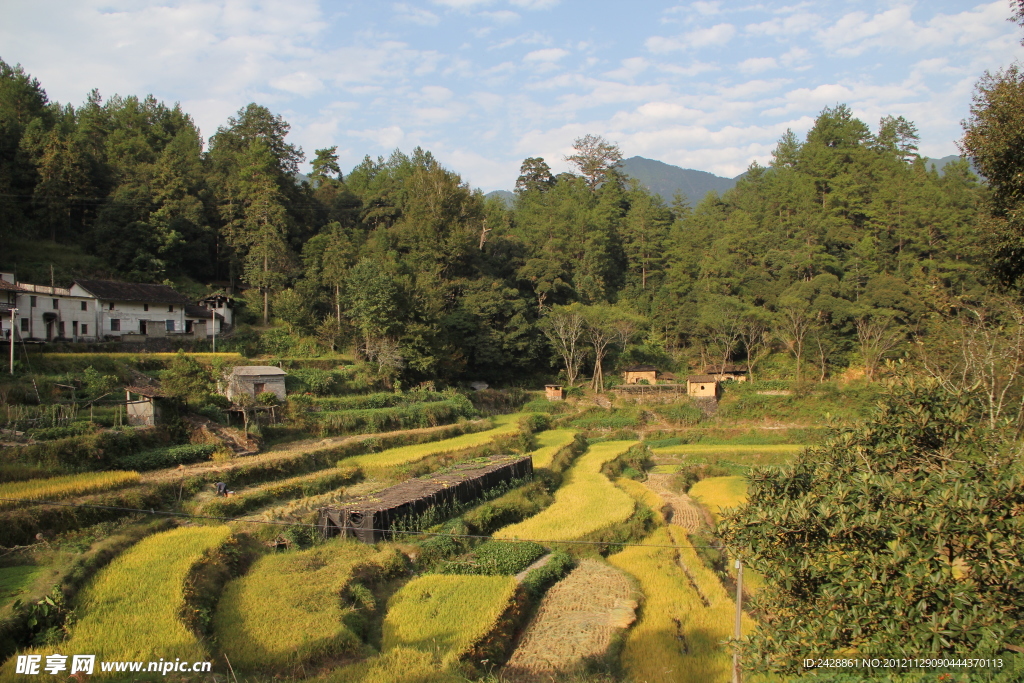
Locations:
(841, 253)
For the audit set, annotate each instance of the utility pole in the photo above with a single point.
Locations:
(739, 618)
(213, 322)
(14, 312)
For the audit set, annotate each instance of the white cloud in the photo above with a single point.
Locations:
(552, 54)
(630, 68)
(461, 4)
(535, 4)
(389, 137)
(416, 15)
(501, 16)
(791, 26)
(755, 65)
(719, 34)
(300, 83)
(435, 93)
(794, 56)
(706, 8)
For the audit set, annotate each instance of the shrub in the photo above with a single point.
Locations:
(494, 558)
(632, 464)
(267, 398)
(171, 456)
(515, 506)
(87, 451)
(691, 474)
(387, 419)
(538, 580)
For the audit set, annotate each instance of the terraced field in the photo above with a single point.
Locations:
(577, 621)
(549, 443)
(56, 488)
(720, 493)
(585, 503)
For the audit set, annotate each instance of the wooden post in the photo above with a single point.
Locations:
(739, 618)
(13, 312)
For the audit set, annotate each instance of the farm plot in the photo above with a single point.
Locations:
(577, 620)
(587, 502)
(302, 486)
(410, 416)
(684, 512)
(550, 442)
(132, 609)
(720, 493)
(741, 454)
(288, 610)
(686, 614)
(448, 616)
(63, 487)
(504, 424)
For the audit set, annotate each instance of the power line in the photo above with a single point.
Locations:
(186, 515)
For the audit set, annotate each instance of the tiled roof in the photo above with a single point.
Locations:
(702, 378)
(9, 287)
(258, 370)
(108, 290)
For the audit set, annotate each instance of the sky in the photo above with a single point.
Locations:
(483, 84)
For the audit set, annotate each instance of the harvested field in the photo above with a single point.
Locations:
(684, 512)
(550, 442)
(587, 502)
(577, 620)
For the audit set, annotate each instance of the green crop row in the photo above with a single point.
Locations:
(494, 558)
(371, 401)
(386, 419)
(169, 456)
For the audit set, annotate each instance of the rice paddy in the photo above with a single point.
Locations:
(686, 615)
(549, 443)
(132, 609)
(720, 493)
(288, 609)
(740, 454)
(504, 424)
(56, 488)
(585, 503)
(446, 615)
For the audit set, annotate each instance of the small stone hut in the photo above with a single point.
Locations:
(554, 392)
(702, 386)
(640, 373)
(253, 380)
(736, 373)
(147, 410)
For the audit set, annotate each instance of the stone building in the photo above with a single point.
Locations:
(253, 380)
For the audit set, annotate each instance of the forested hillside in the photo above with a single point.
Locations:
(844, 251)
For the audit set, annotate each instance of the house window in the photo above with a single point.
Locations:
(85, 306)
(111, 305)
(170, 309)
(32, 301)
(145, 307)
(62, 328)
(24, 324)
(170, 325)
(74, 328)
(55, 304)
(115, 324)
(85, 329)
(259, 387)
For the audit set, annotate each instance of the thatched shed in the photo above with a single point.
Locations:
(639, 374)
(369, 518)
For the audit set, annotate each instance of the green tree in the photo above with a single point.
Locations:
(594, 157)
(186, 378)
(899, 536)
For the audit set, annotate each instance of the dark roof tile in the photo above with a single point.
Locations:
(108, 290)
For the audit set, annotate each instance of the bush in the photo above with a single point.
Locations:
(538, 580)
(387, 419)
(49, 433)
(158, 458)
(542, 405)
(691, 474)
(494, 558)
(632, 464)
(99, 450)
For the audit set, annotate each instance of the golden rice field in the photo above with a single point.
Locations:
(446, 615)
(287, 610)
(585, 503)
(644, 495)
(504, 424)
(771, 454)
(686, 614)
(719, 493)
(131, 610)
(64, 487)
(397, 665)
(550, 442)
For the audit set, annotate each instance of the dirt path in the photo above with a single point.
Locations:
(577, 619)
(521, 576)
(281, 452)
(685, 512)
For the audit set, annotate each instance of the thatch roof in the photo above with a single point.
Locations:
(702, 379)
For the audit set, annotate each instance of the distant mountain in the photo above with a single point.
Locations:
(665, 179)
(940, 164)
(504, 195)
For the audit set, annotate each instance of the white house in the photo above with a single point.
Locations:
(127, 308)
(50, 313)
(8, 303)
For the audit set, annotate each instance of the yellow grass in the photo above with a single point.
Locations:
(131, 609)
(720, 493)
(288, 610)
(585, 503)
(505, 424)
(446, 615)
(550, 442)
(678, 638)
(64, 487)
(720, 449)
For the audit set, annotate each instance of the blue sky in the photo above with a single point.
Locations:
(485, 83)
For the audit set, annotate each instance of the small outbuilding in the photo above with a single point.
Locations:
(639, 374)
(702, 386)
(736, 373)
(148, 409)
(554, 392)
(253, 380)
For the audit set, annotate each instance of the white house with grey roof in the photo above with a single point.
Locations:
(253, 380)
